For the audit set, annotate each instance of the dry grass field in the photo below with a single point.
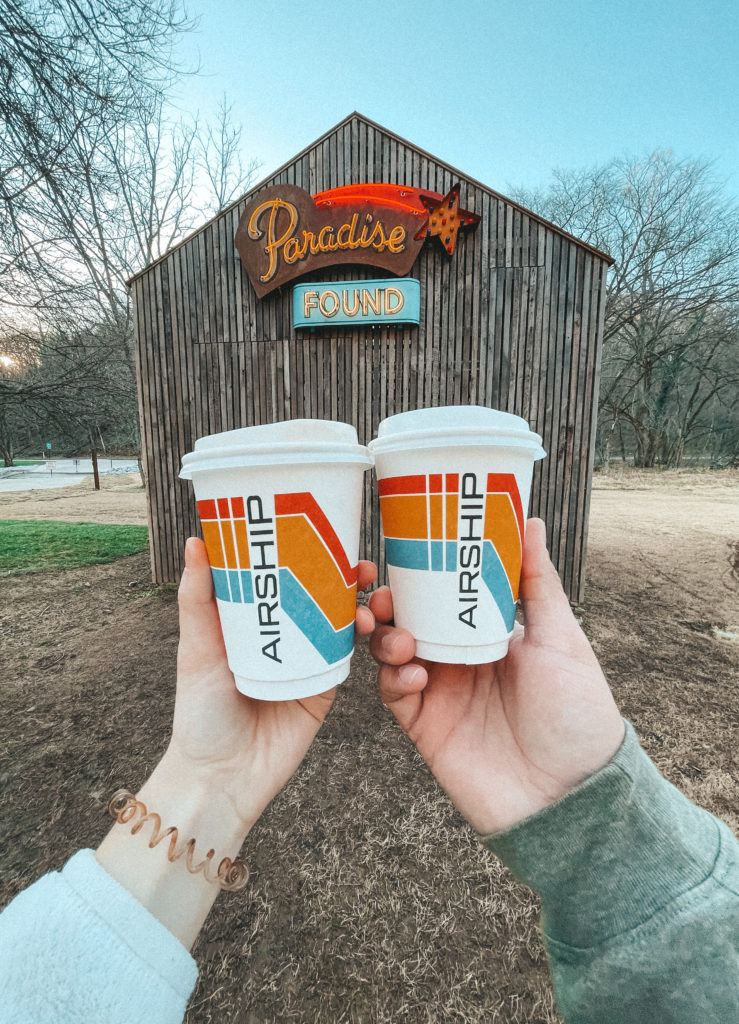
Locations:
(121, 499)
(371, 900)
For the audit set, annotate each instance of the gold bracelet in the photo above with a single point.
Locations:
(230, 875)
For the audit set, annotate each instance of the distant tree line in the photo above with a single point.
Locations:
(670, 369)
(97, 178)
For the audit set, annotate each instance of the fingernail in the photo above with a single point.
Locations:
(410, 674)
(390, 642)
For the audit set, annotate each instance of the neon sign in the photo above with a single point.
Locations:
(284, 232)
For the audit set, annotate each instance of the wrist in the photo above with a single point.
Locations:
(612, 852)
(195, 799)
(530, 784)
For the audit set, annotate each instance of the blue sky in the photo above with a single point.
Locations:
(504, 90)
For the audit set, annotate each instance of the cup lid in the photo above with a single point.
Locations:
(290, 441)
(455, 425)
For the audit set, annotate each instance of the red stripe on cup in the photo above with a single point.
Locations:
(402, 485)
(207, 508)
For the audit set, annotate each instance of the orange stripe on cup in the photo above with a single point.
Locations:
(212, 538)
(505, 483)
(435, 518)
(404, 515)
(229, 549)
(242, 544)
(452, 508)
(501, 528)
(303, 503)
(303, 552)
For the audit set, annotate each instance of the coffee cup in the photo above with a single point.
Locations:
(454, 486)
(280, 512)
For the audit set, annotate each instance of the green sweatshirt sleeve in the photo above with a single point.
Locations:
(640, 898)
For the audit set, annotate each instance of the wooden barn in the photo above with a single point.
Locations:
(510, 316)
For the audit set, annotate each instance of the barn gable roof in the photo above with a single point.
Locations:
(361, 118)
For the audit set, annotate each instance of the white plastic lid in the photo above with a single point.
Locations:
(455, 425)
(288, 442)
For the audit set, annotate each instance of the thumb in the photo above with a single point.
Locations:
(201, 641)
(401, 690)
(547, 611)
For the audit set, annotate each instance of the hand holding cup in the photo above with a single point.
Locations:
(247, 748)
(506, 739)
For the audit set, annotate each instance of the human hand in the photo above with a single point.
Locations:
(247, 749)
(506, 739)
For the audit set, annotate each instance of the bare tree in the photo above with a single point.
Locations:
(60, 383)
(98, 179)
(69, 71)
(140, 186)
(671, 331)
(65, 65)
(62, 62)
(220, 153)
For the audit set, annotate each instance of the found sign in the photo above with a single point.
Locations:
(320, 304)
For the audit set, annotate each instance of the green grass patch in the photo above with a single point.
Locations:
(29, 546)
(24, 462)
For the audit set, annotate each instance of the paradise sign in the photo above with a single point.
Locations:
(285, 232)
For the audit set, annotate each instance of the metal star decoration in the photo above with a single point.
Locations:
(446, 219)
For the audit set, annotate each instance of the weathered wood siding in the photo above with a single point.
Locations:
(513, 321)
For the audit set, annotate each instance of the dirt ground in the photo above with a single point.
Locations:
(371, 901)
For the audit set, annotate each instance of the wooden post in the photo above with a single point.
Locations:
(95, 474)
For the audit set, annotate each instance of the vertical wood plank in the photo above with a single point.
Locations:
(578, 400)
(144, 337)
(593, 380)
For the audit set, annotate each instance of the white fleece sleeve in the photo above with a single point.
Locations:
(77, 948)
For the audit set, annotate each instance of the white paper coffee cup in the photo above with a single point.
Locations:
(454, 486)
(280, 511)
